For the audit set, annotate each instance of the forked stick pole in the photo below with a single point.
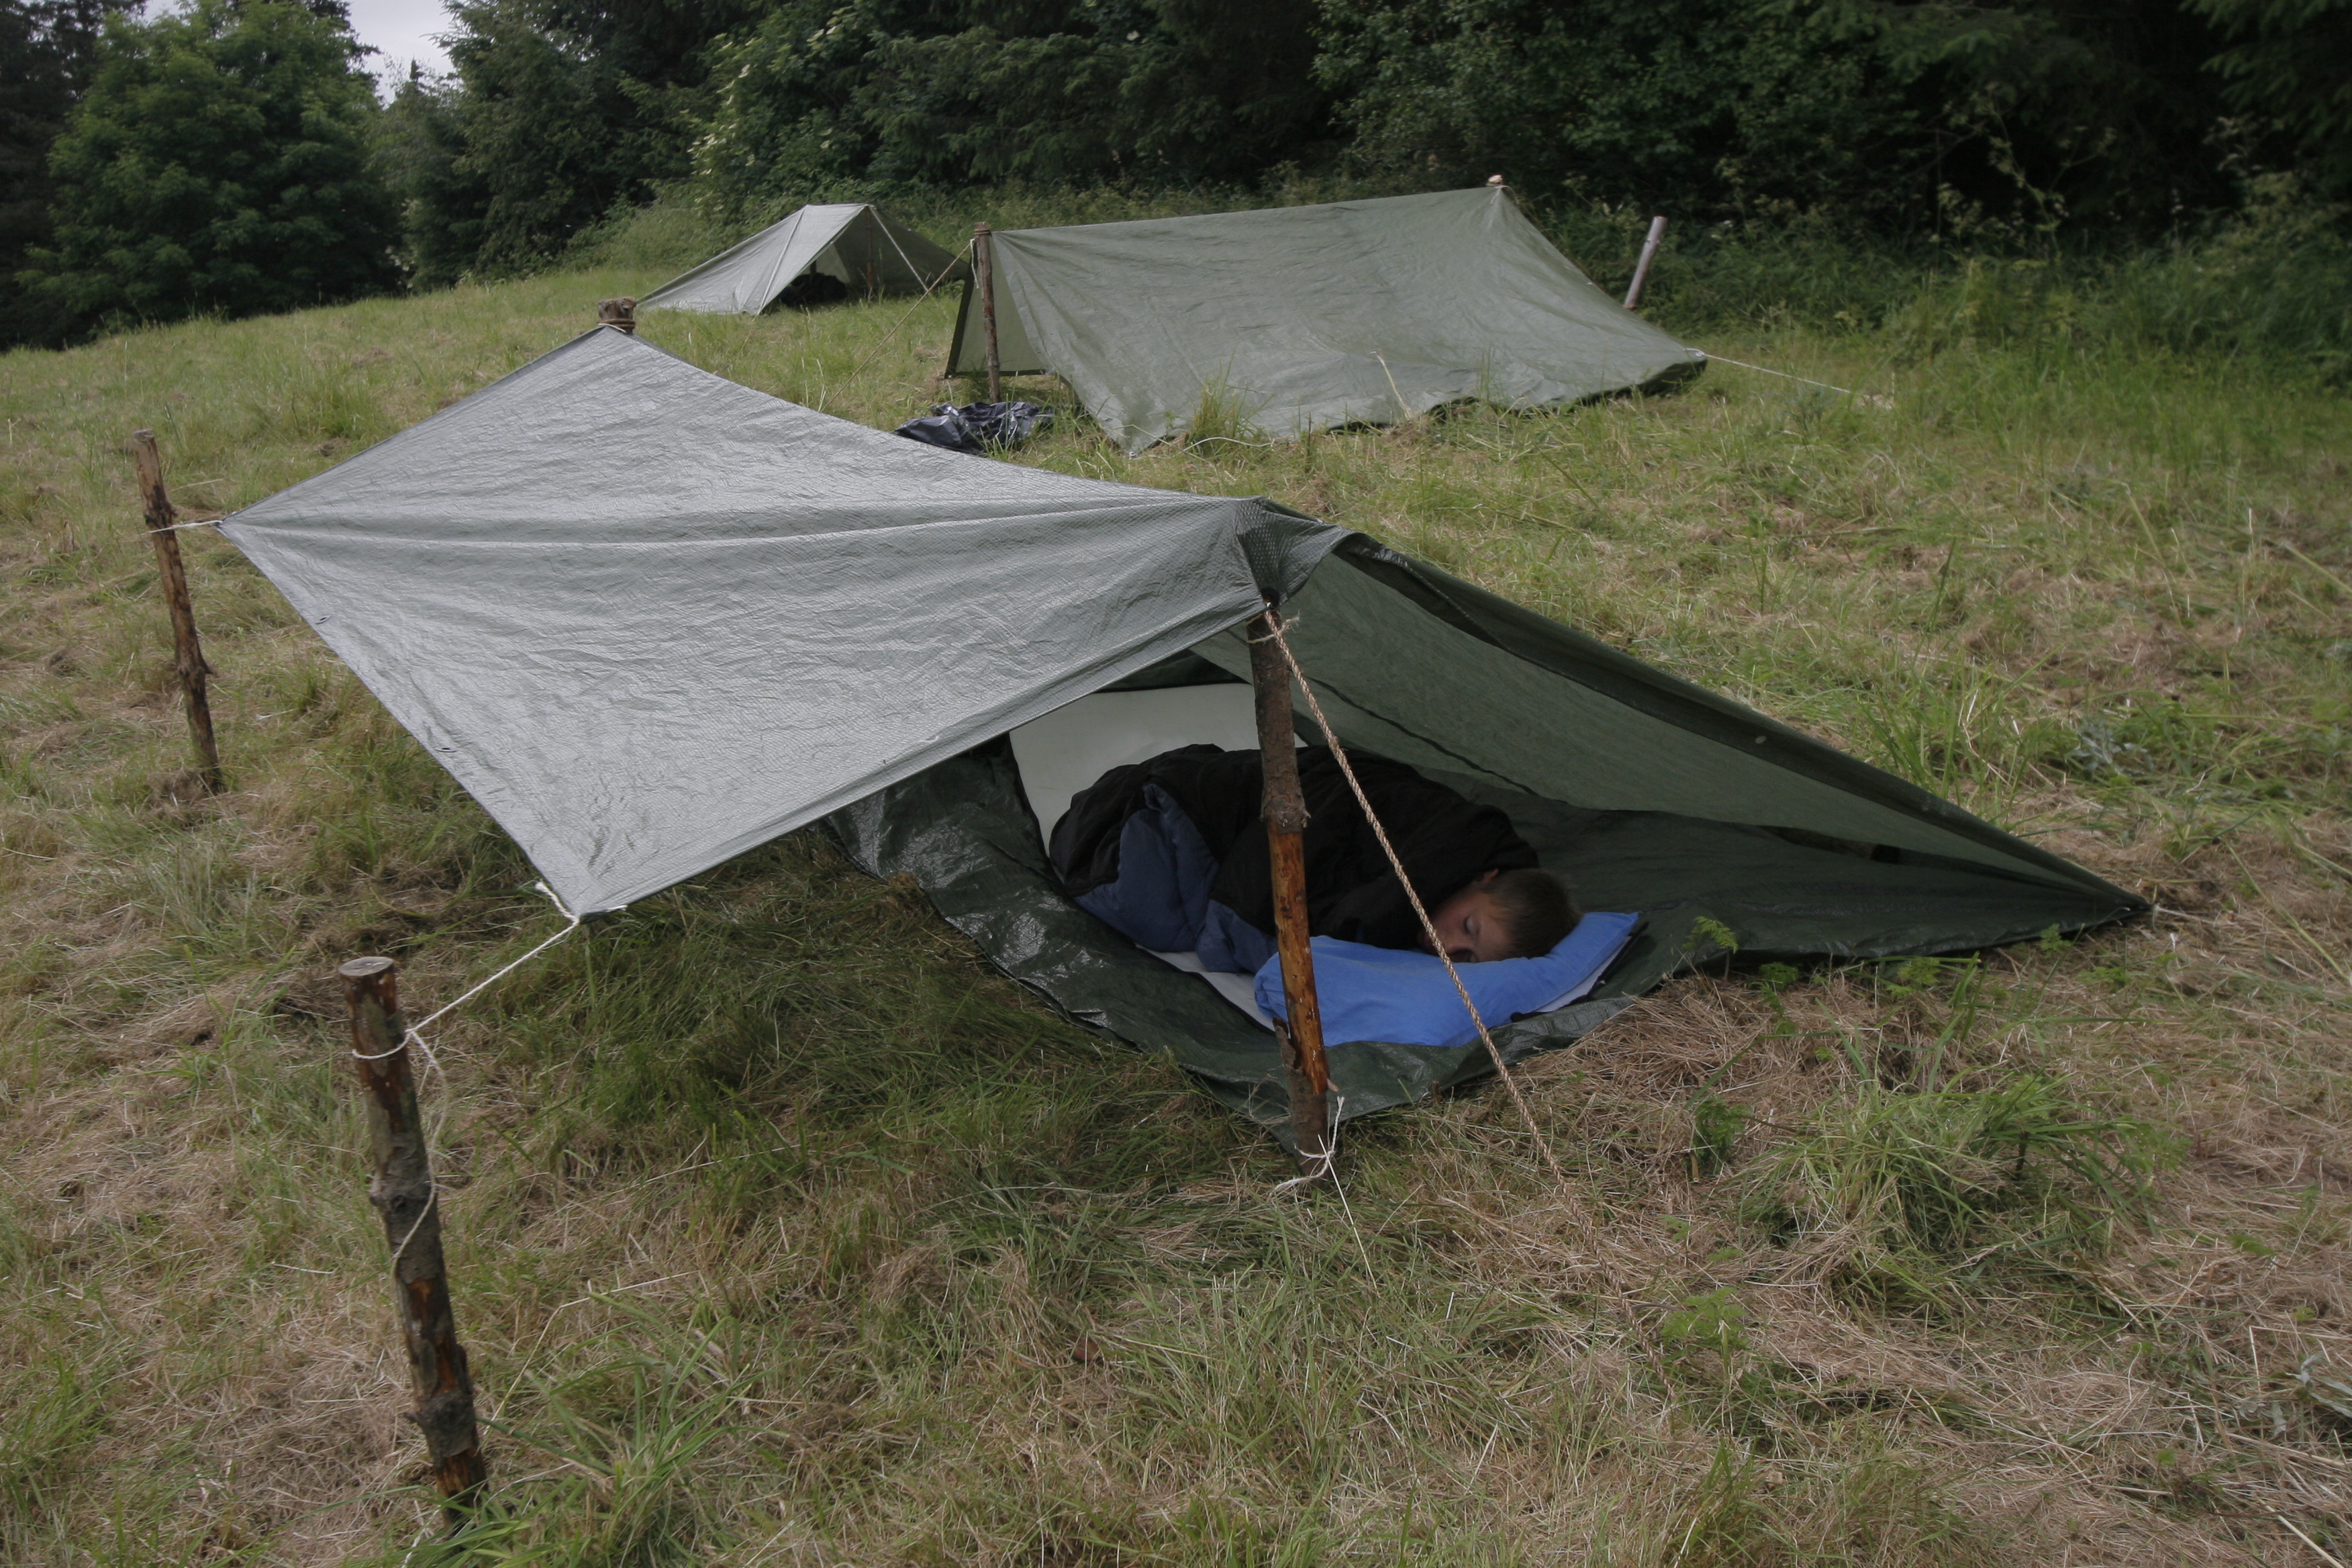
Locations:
(1642, 268)
(984, 268)
(187, 653)
(1284, 810)
(402, 1193)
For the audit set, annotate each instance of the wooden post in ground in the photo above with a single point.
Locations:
(188, 654)
(1642, 268)
(871, 251)
(621, 313)
(1284, 810)
(402, 1191)
(984, 269)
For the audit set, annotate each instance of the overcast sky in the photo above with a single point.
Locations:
(402, 29)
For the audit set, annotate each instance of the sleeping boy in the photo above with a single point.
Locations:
(1171, 853)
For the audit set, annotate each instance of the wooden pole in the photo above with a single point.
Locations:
(983, 266)
(402, 1191)
(1642, 268)
(870, 249)
(188, 653)
(1284, 810)
(621, 313)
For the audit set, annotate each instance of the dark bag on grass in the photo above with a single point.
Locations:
(980, 428)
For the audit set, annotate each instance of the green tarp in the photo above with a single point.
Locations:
(1648, 794)
(1294, 318)
(861, 247)
(651, 618)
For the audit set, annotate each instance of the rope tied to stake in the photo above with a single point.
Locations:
(1429, 927)
(412, 1035)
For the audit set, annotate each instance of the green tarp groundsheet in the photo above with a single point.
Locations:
(864, 248)
(650, 618)
(1296, 319)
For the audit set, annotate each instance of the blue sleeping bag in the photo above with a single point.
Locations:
(1383, 993)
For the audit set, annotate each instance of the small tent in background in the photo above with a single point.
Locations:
(651, 619)
(858, 246)
(1299, 319)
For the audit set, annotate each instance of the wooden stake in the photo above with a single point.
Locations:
(402, 1193)
(1284, 810)
(188, 654)
(1642, 268)
(984, 268)
(621, 313)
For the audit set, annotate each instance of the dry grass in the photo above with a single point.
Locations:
(784, 1233)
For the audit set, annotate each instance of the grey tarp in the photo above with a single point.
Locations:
(862, 245)
(650, 618)
(1305, 318)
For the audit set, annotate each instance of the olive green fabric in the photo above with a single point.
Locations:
(1304, 318)
(862, 247)
(1648, 794)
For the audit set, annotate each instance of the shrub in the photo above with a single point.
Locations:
(219, 164)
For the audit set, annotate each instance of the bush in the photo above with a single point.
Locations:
(219, 164)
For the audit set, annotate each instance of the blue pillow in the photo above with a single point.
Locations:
(1382, 994)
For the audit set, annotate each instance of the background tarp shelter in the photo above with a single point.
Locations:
(650, 619)
(1306, 318)
(862, 245)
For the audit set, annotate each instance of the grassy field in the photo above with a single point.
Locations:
(785, 1233)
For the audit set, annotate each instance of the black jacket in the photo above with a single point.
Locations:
(1351, 893)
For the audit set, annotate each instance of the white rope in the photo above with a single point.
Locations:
(876, 351)
(573, 925)
(1319, 1165)
(1762, 369)
(1396, 863)
(410, 1035)
(200, 522)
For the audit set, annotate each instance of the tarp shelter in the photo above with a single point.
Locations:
(864, 247)
(651, 618)
(1305, 318)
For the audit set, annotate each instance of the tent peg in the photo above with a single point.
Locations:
(621, 313)
(403, 1192)
(1495, 181)
(188, 653)
(1284, 810)
(984, 268)
(1642, 268)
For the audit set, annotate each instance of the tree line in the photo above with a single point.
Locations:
(232, 156)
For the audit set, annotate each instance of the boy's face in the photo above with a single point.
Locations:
(1469, 927)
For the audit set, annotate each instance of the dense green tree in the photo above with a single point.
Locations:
(565, 108)
(1163, 92)
(444, 200)
(2290, 63)
(219, 162)
(1883, 110)
(47, 50)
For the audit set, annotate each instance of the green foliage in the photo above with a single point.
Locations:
(2286, 65)
(219, 164)
(1056, 92)
(1693, 106)
(1894, 114)
(443, 198)
(563, 110)
(2272, 283)
(47, 49)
